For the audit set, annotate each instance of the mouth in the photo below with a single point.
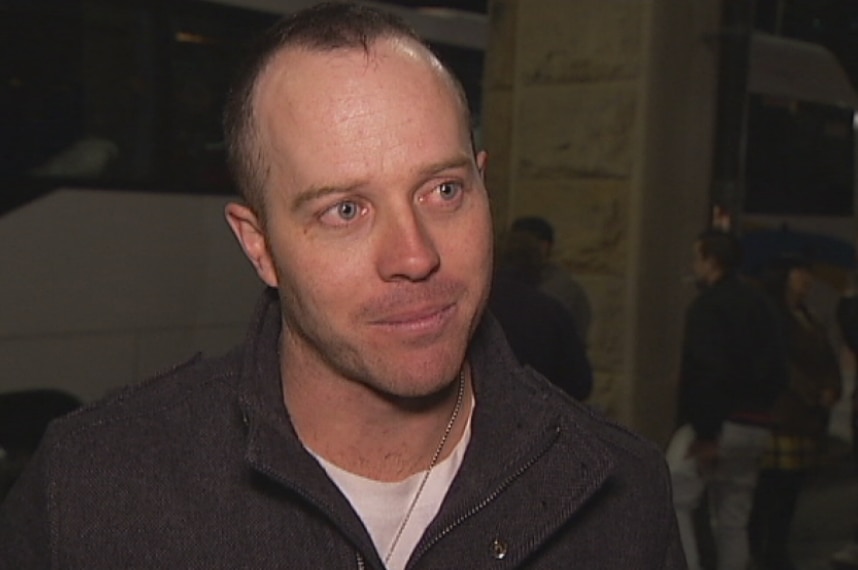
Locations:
(419, 320)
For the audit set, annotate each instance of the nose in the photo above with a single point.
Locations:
(406, 249)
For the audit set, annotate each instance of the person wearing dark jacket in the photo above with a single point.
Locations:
(733, 367)
(799, 416)
(375, 417)
(554, 279)
(540, 331)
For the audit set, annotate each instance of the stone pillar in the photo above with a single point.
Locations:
(598, 115)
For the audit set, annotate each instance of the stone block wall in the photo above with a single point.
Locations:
(588, 105)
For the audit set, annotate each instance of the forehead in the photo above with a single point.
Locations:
(349, 92)
(389, 64)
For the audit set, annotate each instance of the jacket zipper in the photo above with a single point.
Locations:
(490, 497)
(361, 565)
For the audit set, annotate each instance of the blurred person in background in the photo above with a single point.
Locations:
(733, 366)
(540, 331)
(800, 414)
(554, 279)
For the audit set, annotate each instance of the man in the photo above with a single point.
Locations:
(539, 329)
(556, 280)
(733, 367)
(374, 417)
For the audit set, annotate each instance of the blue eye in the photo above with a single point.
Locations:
(449, 190)
(342, 213)
(347, 210)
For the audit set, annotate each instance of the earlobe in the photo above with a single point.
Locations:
(251, 237)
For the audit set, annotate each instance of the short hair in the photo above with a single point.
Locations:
(324, 27)
(723, 247)
(536, 226)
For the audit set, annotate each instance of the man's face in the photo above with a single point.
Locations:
(799, 283)
(378, 230)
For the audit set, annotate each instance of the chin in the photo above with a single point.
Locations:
(422, 376)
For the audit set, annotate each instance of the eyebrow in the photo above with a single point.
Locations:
(460, 161)
(317, 193)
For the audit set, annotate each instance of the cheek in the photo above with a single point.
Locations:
(473, 247)
(322, 278)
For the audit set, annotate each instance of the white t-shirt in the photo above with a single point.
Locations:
(382, 505)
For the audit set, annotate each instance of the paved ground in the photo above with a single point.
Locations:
(827, 514)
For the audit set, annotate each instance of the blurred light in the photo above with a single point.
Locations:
(439, 11)
(192, 38)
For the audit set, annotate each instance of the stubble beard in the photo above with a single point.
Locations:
(314, 341)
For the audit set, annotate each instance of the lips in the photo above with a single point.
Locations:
(425, 319)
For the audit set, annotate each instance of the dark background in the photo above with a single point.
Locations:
(129, 92)
(146, 80)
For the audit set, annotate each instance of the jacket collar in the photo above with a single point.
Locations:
(273, 448)
(522, 426)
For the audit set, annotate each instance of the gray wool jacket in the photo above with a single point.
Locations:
(200, 468)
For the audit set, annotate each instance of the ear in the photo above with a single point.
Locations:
(250, 235)
(482, 162)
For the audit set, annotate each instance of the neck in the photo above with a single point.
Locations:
(366, 432)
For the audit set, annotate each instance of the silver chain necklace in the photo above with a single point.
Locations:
(459, 398)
